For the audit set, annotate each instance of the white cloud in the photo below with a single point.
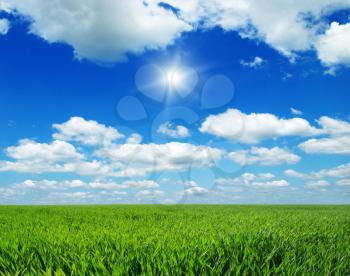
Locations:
(44, 184)
(4, 26)
(293, 173)
(149, 193)
(333, 145)
(295, 111)
(271, 184)
(97, 30)
(93, 167)
(331, 71)
(264, 156)
(80, 167)
(266, 176)
(173, 131)
(337, 143)
(110, 185)
(114, 160)
(255, 63)
(191, 188)
(31, 151)
(7, 192)
(86, 132)
(104, 185)
(250, 180)
(255, 127)
(189, 184)
(144, 158)
(317, 184)
(102, 31)
(143, 184)
(341, 171)
(195, 191)
(74, 183)
(280, 24)
(343, 182)
(58, 156)
(333, 46)
(134, 138)
(71, 195)
(333, 126)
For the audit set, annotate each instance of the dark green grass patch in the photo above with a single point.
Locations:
(174, 240)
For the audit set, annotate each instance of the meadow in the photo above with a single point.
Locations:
(174, 240)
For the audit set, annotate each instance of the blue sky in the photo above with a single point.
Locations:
(189, 103)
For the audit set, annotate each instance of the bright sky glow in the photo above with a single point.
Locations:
(209, 102)
(174, 78)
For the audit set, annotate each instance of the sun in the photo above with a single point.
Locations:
(166, 81)
(174, 78)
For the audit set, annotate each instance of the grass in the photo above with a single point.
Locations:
(174, 240)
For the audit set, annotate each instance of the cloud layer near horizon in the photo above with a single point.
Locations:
(87, 147)
(93, 157)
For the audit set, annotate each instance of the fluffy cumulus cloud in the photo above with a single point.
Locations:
(129, 159)
(252, 128)
(264, 156)
(144, 184)
(68, 162)
(333, 46)
(150, 194)
(134, 138)
(113, 169)
(111, 185)
(317, 184)
(31, 151)
(58, 156)
(195, 191)
(104, 185)
(173, 131)
(98, 30)
(343, 182)
(86, 132)
(4, 26)
(192, 188)
(103, 31)
(333, 145)
(45, 184)
(271, 184)
(70, 195)
(55, 190)
(140, 159)
(333, 126)
(250, 180)
(341, 171)
(293, 173)
(291, 31)
(337, 142)
(125, 160)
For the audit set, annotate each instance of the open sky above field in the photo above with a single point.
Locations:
(174, 101)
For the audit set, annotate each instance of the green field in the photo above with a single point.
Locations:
(175, 240)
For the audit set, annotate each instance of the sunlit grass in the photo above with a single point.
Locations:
(175, 240)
